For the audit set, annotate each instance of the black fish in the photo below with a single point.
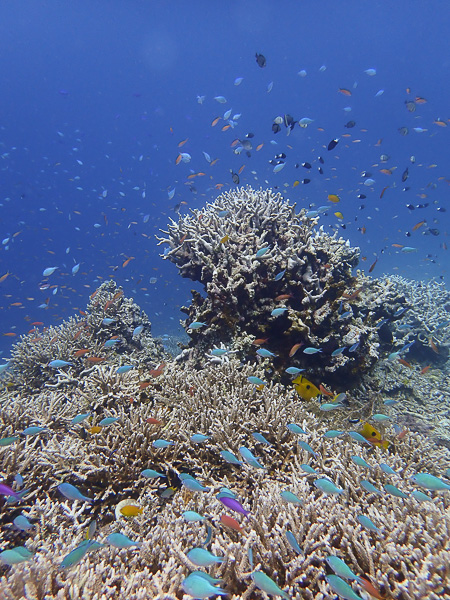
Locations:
(441, 209)
(434, 231)
(320, 170)
(411, 206)
(350, 124)
(288, 120)
(306, 181)
(235, 177)
(361, 196)
(366, 174)
(405, 174)
(281, 155)
(261, 60)
(320, 159)
(306, 165)
(422, 205)
(333, 144)
(276, 128)
(250, 135)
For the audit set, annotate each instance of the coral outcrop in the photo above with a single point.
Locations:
(270, 274)
(113, 328)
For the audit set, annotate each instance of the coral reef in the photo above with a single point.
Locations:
(109, 319)
(269, 273)
(407, 558)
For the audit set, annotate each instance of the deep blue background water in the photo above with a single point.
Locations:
(114, 86)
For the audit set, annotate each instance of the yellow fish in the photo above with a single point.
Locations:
(95, 429)
(224, 239)
(304, 388)
(333, 198)
(373, 436)
(131, 510)
(339, 215)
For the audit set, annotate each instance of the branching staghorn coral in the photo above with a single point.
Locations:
(81, 342)
(253, 253)
(408, 558)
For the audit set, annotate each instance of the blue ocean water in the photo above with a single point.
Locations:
(97, 96)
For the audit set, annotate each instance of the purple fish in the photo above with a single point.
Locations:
(5, 490)
(233, 504)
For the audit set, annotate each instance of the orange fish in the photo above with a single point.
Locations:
(37, 323)
(213, 162)
(219, 186)
(420, 100)
(260, 341)
(10, 334)
(234, 143)
(418, 225)
(95, 359)
(125, 263)
(370, 589)
(372, 266)
(397, 245)
(404, 362)
(433, 346)
(16, 304)
(231, 523)
(120, 292)
(241, 169)
(3, 277)
(294, 349)
(382, 191)
(178, 159)
(345, 91)
(325, 391)
(402, 434)
(153, 421)
(386, 171)
(81, 352)
(226, 127)
(215, 121)
(258, 147)
(425, 370)
(363, 229)
(440, 123)
(159, 369)
(144, 384)
(182, 143)
(283, 297)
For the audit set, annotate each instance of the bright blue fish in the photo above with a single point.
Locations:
(57, 364)
(22, 523)
(394, 491)
(119, 540)
(279, 275)
(256, 380)
(387, 469)
(278, 311)
(124, 369)
(354, 347)
(203, 558)
(265, 353)
(327, 487)
(268, 585)
(108, 421)
(192, 517)
(367, 523)
(290, 497)
(162, 443)
(198, 438)
(360, 462)
(311, 350)
(230, 458)
(108, 321)
(342, 588)
(294, 370)
(151, 474)
(307, 447)
(33, 430)
(332, 433)
(249, 458)
(293, 428)
(198, 587)
(355, 435)
(366, 485)
(338, 351)
(137, 330)
(293, 542)
(308, 469)
(79, 418)
(260, 438)
(197, 325)
(72, 493)
(262, 251)
(14, 556)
